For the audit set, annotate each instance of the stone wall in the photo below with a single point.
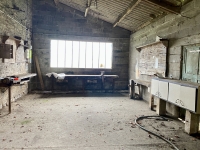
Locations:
(183, 29)
(63, 22)
(15, 22)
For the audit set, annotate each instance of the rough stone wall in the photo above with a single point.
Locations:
(14, 23)
(63, 22)
(181, 30)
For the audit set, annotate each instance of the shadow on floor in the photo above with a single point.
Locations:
(85, 95)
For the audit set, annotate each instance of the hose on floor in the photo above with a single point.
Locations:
(145, 117)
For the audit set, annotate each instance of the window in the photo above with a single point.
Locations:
(80, 54)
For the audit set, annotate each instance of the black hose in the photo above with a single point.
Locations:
(164, 139)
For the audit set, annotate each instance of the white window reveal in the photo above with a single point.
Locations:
(80, 54)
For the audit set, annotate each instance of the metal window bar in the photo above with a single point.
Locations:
(57, 52)
(79, 56)
(72, 53)
(92, 54)
(85, 54)
(105, 55)
(99, 56)
(111, 54)
(86, 43)
(65, 55)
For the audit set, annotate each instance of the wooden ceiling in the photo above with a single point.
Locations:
(128, 14)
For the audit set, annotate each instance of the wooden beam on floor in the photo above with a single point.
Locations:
(164, 6)
(126, 12)
(39, 72)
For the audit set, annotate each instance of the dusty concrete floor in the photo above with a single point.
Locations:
(82, 122)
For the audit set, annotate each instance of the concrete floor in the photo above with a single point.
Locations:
(86, 122)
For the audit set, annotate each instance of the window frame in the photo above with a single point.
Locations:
(86, 41)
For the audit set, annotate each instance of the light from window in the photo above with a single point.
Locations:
(80, 54)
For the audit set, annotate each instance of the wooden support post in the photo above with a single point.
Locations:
(102, 82)
(131, 89)
(191, 122)
(161, 107)
(175, 111)
(52, 83)
(140, 91)
(9, 98)
(151, 102)
(113, 84)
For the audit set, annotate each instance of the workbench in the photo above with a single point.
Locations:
(14, 80)
(85, 78)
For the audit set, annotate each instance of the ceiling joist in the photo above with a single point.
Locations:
(126, 12)
(164, 6)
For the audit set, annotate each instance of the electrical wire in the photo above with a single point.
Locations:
(164, 139)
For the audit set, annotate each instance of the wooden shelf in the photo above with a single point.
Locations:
(163, 41)
(18, 40)
(144, 83)
(5, 38)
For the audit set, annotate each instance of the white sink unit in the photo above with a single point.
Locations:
(181, 93)
(174, 93)
(188, 98)
(163, 90)
(159, 89)
(154, 87)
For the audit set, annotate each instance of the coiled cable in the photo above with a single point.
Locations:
(164, 139)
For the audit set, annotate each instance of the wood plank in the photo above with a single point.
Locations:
(39, 72)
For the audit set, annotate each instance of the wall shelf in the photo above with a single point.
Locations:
(5, 38)
(163, 41)
(19, 42)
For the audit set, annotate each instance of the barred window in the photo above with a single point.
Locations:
(80, 54)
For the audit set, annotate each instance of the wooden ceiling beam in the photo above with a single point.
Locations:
(88, 7)
(164, 6)
(56, 2)
(126, 12)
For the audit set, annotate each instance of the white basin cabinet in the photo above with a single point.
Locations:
(159, 89)
(154, 87)
(174, 93)
(163, 90)
(188, 98)
(181, 93)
